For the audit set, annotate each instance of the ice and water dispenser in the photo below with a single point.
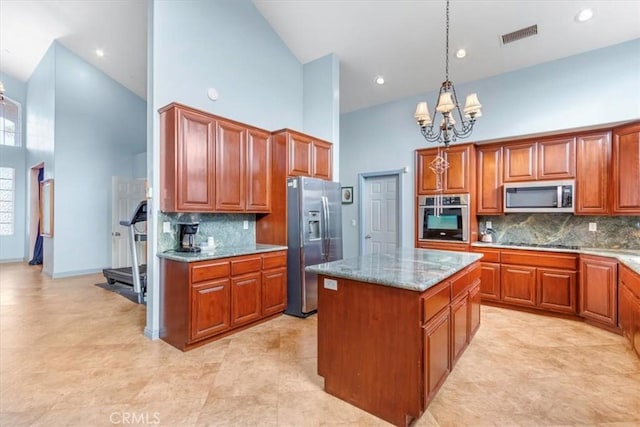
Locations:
(313, 224)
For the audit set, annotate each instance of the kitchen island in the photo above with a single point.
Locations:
(391, 327)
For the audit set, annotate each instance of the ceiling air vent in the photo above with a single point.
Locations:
(519, 34)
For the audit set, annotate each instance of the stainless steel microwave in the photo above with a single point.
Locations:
(539, 196)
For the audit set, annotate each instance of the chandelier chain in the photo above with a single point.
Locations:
(446, 55)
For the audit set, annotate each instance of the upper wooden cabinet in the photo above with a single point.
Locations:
(457, 178)
(626, 170)
(593, 154)
(187, 153)
(306, 155)
(210, 164)
(489, 167)
(540, 160)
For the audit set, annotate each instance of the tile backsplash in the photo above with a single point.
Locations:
(614, 232)
(226, 229)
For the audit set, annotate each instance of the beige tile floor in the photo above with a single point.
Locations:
(73, 354)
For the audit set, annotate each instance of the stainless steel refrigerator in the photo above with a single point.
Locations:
(314, 221)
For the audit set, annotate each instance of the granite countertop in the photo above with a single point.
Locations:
(405, 268)
(219, 252)
(628, 257)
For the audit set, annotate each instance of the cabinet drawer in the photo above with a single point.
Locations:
(274, 260)
(630, 279)
(209, 271)
(490, 255)
(540, 259)
(459, 283)
(435, 300)
(245, 265)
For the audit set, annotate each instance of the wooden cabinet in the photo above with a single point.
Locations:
(459, 326)
(474, 308)
(598, 297)
(489, 172)
(490, 279)
(457, 178)
(546, 159)
(518, 284)
(203, 300)
(557, 158)
(211, 164)
(444, 246)
(437, 361)
(556, 290)
(626, 170)
(187, 152)
(629, 306)
(593, 154)
(306, 155)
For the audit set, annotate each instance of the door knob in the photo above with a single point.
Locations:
(368, 236)
(117, 233)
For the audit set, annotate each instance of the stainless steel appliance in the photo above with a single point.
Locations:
(549, 196)
(451, 225)
(314, 218)
(187, 237)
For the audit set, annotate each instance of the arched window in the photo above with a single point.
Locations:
(10, 123)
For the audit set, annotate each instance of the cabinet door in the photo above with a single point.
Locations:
(520, 162)
(518, 284)
(210, 313)
(593, 153)
(489, 180)
(626, 170)
(322, 160)
(300, 155)
(636, 327)
(459, 326)
(245, 298)
(458, 172)
(274, 291)
(426, 179)
(194, 165)
(557, 158)
(556, 290)
(437, 363)
(230, 166)
(474, 309)
(490, 281)
(258, 171)
(598, 277)
(626, 308)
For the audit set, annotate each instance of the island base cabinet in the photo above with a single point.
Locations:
(459, 327)
(475, 299)
(437, 360)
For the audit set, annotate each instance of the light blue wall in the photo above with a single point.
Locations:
(41, 132)
(12, 248)
(225, 44)
(593, 88)
(139, 165)
(99, 127)
(321, 104)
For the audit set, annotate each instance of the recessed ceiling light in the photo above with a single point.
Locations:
(461, 53)
(584, 15)
(380, 80)
(100, 52)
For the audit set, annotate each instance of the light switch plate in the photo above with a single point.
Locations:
(166, 227)
(245, 224)
(353, 222)
(331, 284)
(593, 226)
(489, 224)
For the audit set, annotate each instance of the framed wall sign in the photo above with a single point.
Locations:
(46, 208)
(347, 195)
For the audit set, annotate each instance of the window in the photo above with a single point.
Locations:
(10, 123)
(7, 200)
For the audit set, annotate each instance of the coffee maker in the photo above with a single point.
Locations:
(187, 237)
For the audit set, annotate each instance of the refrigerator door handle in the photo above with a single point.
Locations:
(325, 234)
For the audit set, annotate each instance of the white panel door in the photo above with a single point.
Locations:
(381, 216)
(127, 193)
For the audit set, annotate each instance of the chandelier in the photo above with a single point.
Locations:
(449, 107)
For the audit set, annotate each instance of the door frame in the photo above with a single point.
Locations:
(362, 177)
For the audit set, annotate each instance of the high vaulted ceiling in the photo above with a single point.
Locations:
(400, 40)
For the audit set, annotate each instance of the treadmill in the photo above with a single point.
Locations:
(136, 275)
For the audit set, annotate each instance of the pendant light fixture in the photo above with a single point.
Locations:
(449, 107)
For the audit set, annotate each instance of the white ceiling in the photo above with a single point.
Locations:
(401, 40)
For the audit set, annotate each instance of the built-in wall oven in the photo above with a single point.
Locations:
(450, 223)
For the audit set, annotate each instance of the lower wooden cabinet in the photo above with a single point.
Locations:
(204, 299)
(556, 290)
(437, 360)
(474, 308)
(629, 306)
(598, 296)
(459, 326)
(490, 281)
(518, 284)
(444, 246)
